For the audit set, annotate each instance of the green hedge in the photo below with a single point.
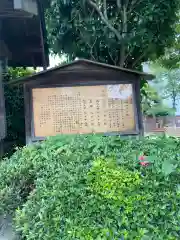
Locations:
(94, 188)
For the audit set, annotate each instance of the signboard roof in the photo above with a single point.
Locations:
(77, 64)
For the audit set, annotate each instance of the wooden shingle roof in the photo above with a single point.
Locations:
(80, 62)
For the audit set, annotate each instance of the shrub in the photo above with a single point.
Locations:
(14, 101)
(94, 188)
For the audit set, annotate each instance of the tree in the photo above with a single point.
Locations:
(167, 82)
(172, 87)
(124, 33)
(167, 70)
(171, 58)
(152, 104)
(149, 98)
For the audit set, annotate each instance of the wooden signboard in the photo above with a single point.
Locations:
(83, 109)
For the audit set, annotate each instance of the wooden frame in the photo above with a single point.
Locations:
(34, 138)
(81, 73)
(30, 136)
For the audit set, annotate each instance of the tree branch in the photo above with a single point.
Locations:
(89, 45)
(127, 4)
(114, 61)
(139, 58)
(105, 9)
(124, 31)
(118, 2)
(122, 55)
(93, 47)
(133, 5)
(120, 36)
(105, 20)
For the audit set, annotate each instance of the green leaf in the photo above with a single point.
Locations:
(168, 168)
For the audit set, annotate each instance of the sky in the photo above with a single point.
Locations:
(55, 60)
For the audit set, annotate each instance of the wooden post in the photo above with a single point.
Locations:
(1, 148)
(139, 109)
(42, 25)
(3, 66)
(2, 113)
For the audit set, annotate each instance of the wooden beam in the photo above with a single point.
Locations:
(15, 14)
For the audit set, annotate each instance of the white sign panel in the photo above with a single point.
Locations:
(120, 91)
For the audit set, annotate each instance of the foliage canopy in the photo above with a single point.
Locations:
(167, 82)
(171, 59)
(124, 33)
(172, 87)
(152, 103)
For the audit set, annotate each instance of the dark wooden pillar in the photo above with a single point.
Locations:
(3, 66)
(139, 109)
(2, 111)
(42, 33)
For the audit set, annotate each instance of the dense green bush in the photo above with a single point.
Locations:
(14, 99)
(94, 188)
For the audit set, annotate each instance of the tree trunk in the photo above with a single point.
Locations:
(1, 149)
(174, 102)
(124, 32)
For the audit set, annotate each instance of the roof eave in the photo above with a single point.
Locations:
(29, 78)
